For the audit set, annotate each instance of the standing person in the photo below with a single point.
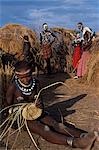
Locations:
(26, 46)
(28, 56)
(86, 33)
(46, 39)
(83, 63)
(77, 43)
(27, 53)
(86, 36)
(23, 89)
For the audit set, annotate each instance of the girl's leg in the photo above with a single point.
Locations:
(56, 138)
(61, 128)
(85, 142)
(45, 132)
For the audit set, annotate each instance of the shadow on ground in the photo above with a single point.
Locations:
(60, 109)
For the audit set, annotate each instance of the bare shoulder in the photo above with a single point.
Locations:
(11, 87)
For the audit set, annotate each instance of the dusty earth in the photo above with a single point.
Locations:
(78, 103)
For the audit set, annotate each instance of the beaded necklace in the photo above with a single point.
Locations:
(25, 89)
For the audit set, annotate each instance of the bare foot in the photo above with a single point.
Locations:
(85, 142)
(97, 135)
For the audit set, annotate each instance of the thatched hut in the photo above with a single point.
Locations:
(11, 41)
(65, 36)
(11, 38)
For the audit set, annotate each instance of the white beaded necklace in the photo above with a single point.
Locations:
(25, 89)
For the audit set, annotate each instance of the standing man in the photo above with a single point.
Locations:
(46, 39)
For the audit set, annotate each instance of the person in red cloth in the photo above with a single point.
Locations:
(87, 37)
(77, 50)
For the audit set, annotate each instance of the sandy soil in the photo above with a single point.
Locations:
(78, 103)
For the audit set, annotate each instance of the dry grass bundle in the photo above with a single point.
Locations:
(31, 112)
(11, 38)
(93, 69)
(11, 46)
(68, 35)
(95, 44)
(93, 66)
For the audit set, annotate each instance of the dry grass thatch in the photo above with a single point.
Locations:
(11, 41)
(93, 69)
(93, 66)
(68, 35)
(11, 38)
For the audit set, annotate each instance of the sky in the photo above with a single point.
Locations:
(57, 13)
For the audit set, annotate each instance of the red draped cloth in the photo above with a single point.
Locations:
(76, 56)
(83, 64)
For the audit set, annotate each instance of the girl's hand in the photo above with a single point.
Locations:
(39, 104)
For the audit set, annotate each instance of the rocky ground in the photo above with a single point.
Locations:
(78, 103)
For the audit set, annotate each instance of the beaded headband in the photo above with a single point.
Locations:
(22, 73)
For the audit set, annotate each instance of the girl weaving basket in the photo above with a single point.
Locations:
(21, 94)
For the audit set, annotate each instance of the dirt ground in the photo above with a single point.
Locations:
(78, 103)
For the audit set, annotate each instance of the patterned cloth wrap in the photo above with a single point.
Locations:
(47, 51)
(47, 38)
